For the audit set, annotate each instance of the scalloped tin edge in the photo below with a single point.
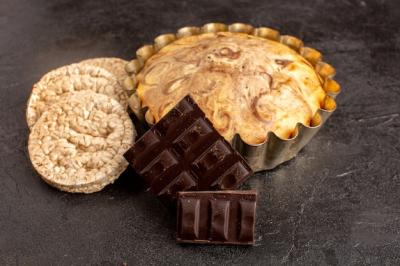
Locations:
(274, 150)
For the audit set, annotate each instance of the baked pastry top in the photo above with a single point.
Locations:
(245, 84)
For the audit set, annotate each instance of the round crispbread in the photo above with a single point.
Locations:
(77, 145)
(72, 78)
(113, 65)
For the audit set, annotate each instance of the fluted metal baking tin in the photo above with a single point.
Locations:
(274, 150)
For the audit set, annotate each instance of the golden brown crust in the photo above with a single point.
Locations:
(246, 85)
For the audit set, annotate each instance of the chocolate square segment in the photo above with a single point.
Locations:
(216, 217)
(190, 211)
(183, 152)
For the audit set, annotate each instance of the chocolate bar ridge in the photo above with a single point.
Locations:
(184, 152)
(216, 217)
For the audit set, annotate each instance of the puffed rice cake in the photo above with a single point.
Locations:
(72, 78)
(77, 145)
(113, 65)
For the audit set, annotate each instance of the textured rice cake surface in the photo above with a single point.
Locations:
(78, 144)
(67, 79)
(114, 65)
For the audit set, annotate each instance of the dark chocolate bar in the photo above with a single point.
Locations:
(184, 152)
(216, 217)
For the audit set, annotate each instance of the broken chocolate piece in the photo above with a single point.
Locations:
(184, 152)
(216, 217)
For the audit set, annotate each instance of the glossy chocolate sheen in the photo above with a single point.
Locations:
(216, 217)
(184, 152)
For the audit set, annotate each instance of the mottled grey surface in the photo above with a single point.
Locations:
(337, 203)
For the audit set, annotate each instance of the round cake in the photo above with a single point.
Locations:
(245, 84)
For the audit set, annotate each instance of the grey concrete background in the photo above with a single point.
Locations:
(337, 203)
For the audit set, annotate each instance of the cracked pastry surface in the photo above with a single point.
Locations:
(245, 84)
